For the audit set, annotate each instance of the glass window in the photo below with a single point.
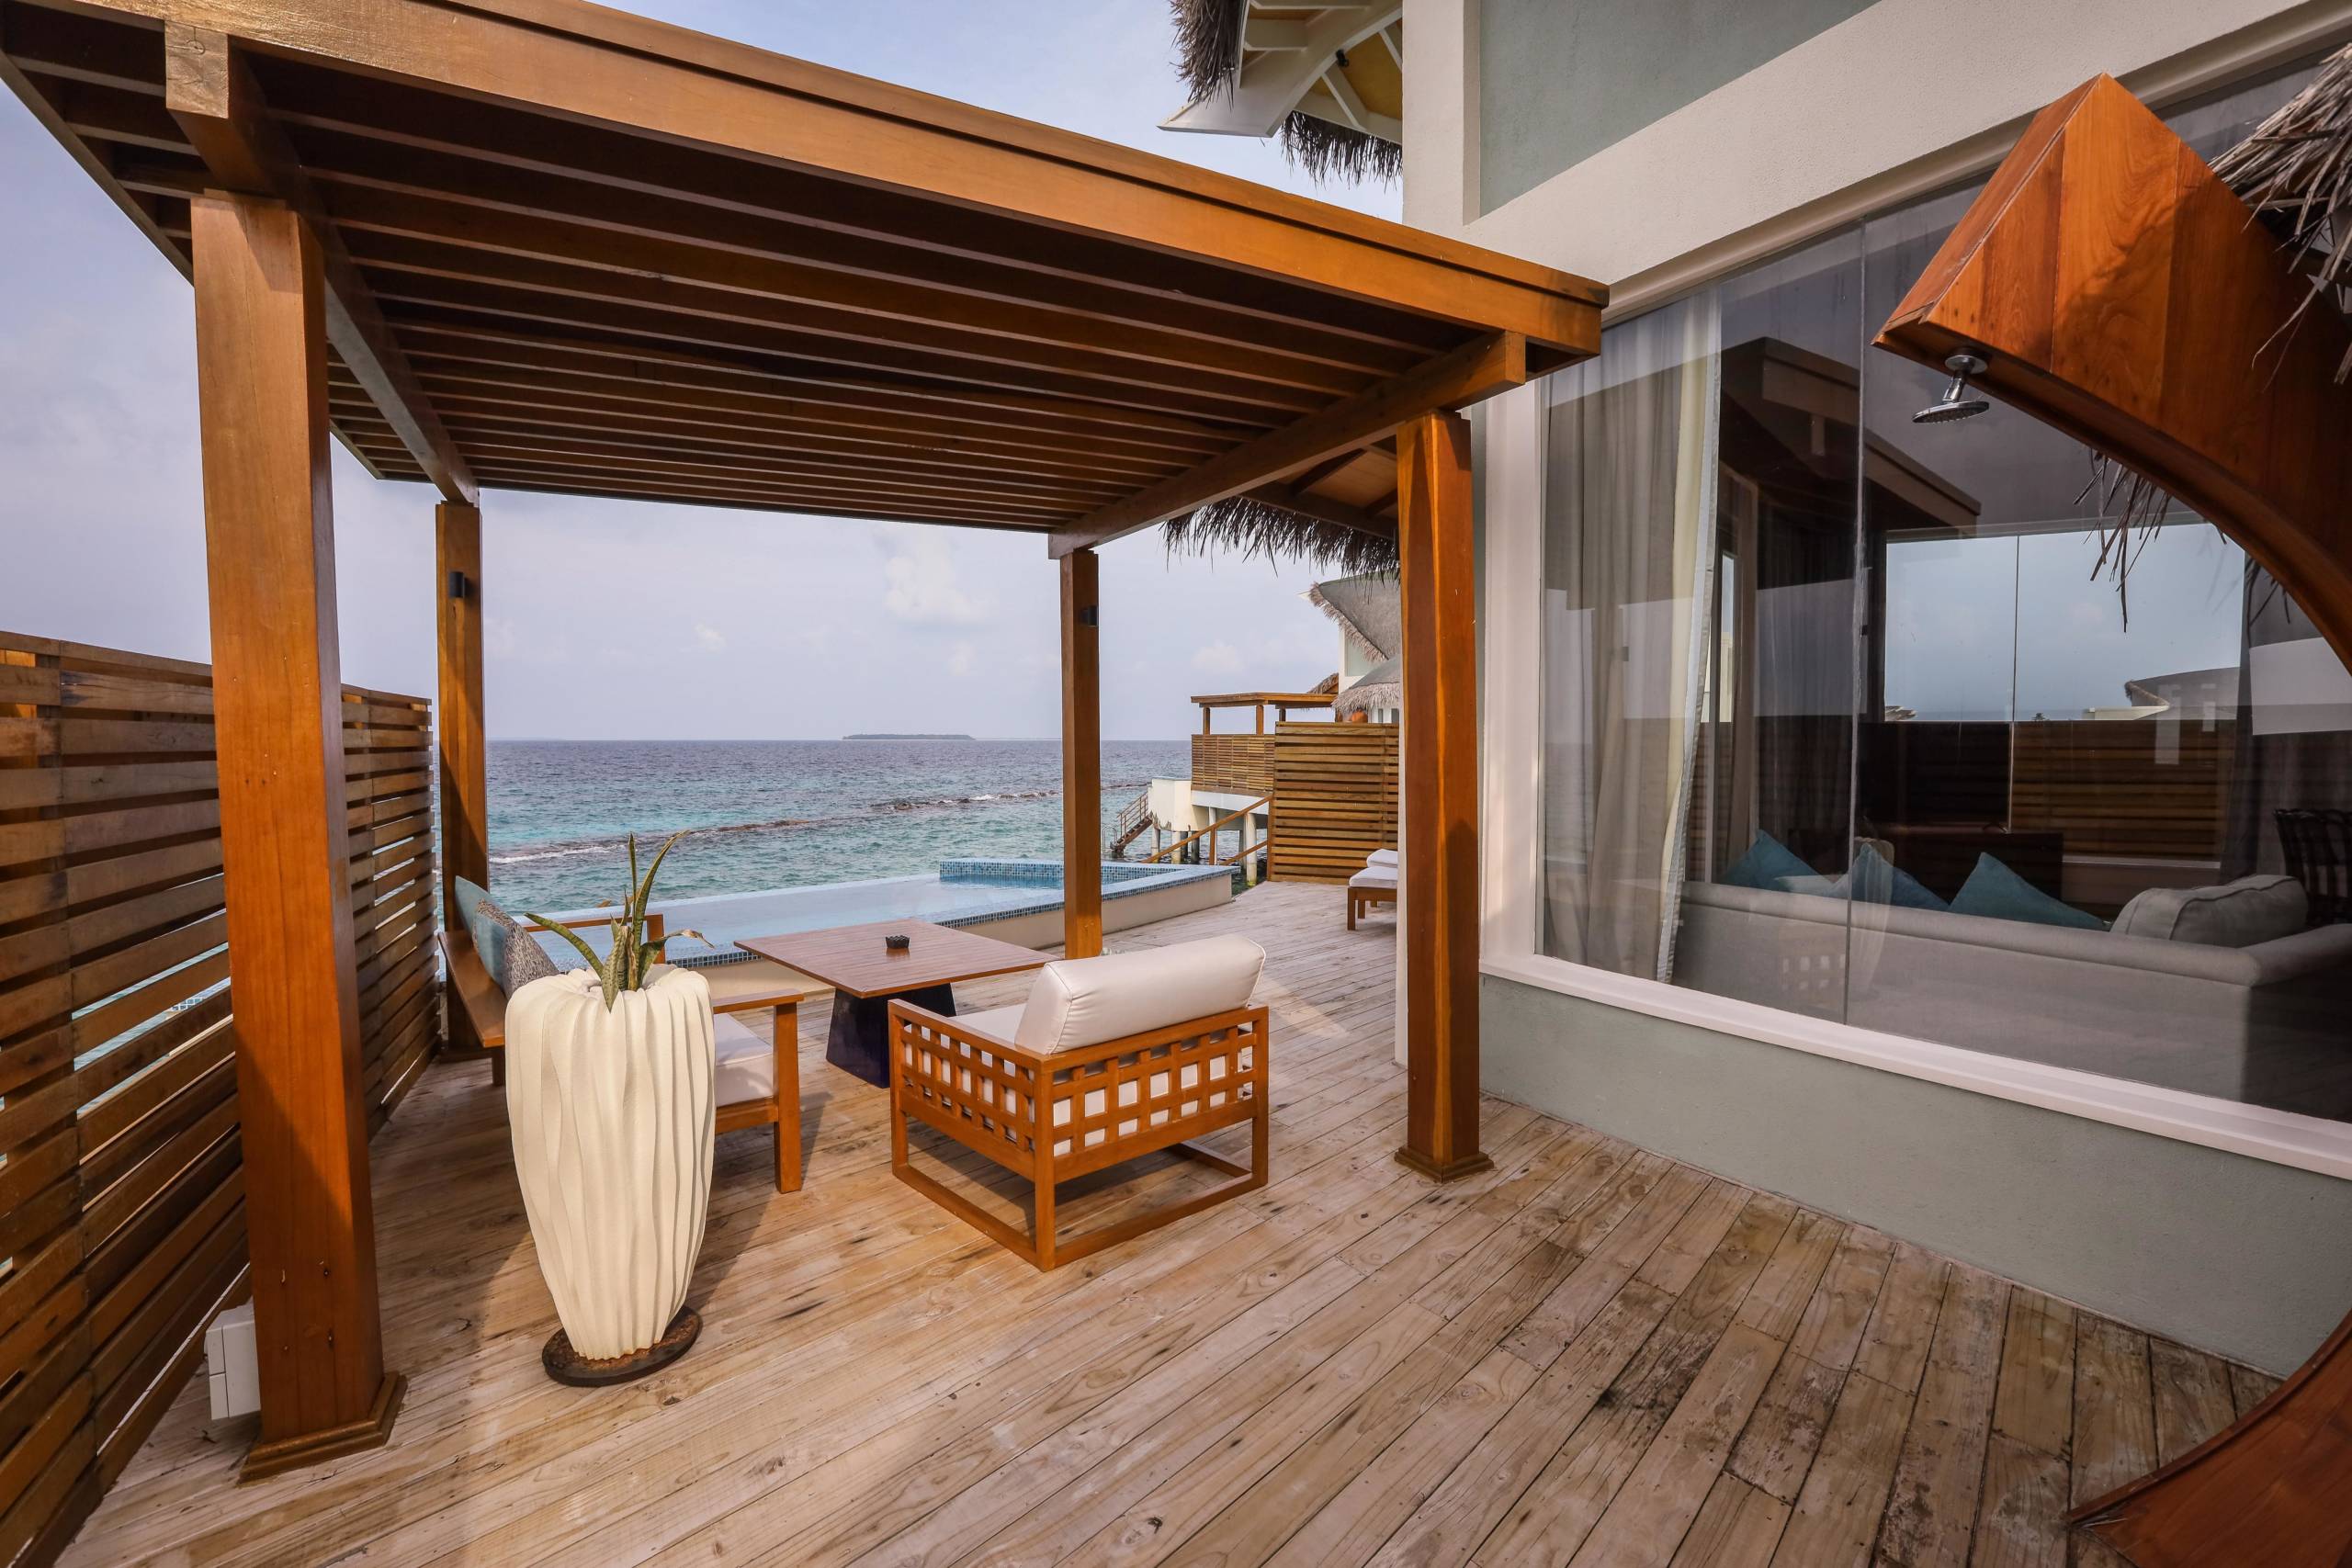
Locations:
(1885, 723)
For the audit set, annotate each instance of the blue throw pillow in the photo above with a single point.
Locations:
(1764, 866)
(488, 935)
(1877, 880)
(1994, 891)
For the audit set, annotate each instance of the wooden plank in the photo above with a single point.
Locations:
(2192, 1397)
(464, 752)
(261, 360)
(1437, 594)
(2115, 1435)
(1469, 374)
(1739, 1527)
(1836, 1515)
(2035, 1401)
(1893, 1347)
(1081, 755)
(1932, 1517)
(2022, 1521)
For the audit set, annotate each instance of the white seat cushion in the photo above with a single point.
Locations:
(1084, 1001)
(996, 1024)
(1374, 876)
(1379, 858)
(746, 1064)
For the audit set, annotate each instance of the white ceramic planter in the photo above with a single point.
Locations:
(611, 1116)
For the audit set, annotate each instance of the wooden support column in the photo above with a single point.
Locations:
(465, 780)
(1081, 758)
(1440, 828)
(277, 684)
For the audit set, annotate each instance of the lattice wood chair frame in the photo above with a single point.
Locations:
(1051, 1116)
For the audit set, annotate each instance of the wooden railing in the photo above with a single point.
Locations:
(121, 1198)
(1244, 846)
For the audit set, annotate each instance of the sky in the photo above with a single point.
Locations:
(630, 621)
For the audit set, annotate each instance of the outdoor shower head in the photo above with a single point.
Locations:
(1955, 403)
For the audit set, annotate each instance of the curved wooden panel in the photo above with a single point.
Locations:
(2127, 297)
(2124, 294)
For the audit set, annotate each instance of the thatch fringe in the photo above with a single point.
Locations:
(2296, 172)
(1328, 151)
(1208, 44)
(1208, 58)
(1255, 527)
(1362, 644)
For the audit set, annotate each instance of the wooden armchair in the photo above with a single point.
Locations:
(1064, 1106)
(758, 1081)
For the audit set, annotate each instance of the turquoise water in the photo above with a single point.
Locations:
(767, 814)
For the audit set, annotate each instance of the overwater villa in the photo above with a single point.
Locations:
(1850, 1066)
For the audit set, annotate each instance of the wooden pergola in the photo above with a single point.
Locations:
(539, 245)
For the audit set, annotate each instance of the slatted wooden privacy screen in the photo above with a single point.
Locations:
(1334, 800)
(121, 1218)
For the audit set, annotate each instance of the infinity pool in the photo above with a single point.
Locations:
(963, 893)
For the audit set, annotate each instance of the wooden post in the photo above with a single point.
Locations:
(1437, 570)
(1081, 758)
(465, 783)
(1262, 719)
(277, 688)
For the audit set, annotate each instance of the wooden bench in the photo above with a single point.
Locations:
(478, 1016)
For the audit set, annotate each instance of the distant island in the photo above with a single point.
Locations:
(895, 736)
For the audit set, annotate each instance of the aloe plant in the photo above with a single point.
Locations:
(633, 957)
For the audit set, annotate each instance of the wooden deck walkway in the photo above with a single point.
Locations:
(1588, 1356)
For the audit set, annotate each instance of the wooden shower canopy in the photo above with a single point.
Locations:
(573, 251)
(2120, 291)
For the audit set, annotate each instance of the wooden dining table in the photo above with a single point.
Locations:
(867, 974)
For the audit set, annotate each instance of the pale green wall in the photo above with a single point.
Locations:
(1559, 80)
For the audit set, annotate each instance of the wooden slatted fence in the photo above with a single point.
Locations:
(1334, 800)
(121, 1200)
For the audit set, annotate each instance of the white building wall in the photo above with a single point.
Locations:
(1907, 96)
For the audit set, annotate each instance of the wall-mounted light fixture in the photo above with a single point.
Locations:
(461, 587)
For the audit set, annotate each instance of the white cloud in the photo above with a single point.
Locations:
(709, 639)
(962, 659)
(1219, 658)
(925, 586)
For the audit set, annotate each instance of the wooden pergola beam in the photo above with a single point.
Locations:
(212, 95)
(1477, 370)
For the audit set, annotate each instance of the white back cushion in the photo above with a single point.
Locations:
(1381, 858)
(2243, 913)
(1084, 1001)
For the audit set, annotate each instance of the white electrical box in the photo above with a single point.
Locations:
(229, 1364)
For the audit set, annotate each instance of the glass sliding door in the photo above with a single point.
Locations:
(1890, 724)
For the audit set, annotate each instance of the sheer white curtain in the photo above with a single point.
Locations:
(1629, 560)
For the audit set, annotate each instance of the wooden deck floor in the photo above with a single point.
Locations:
(1588, 1356)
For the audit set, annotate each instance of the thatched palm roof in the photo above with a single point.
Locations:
(1214, 51)
(1366, 609)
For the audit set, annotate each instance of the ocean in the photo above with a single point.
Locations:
(766, 813)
